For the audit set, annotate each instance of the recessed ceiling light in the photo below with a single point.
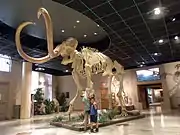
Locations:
(156, 54)
(62, 31)
(78, 21)
(161, 41)
(98, 25)
(143, 62)
(40, 69)
(141, 65)
(176, 37)
(174, 19)
(157, 11)
(67, 70)
(95, 33)
(74, 26)
(85, 35)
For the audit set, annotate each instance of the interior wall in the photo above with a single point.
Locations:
(66, 84)
(130, 87)
(166, 103)
(14, 80)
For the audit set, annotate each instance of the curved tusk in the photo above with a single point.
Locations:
(19, 46)
(49, 30)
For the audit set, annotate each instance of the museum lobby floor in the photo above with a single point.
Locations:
(168, 124)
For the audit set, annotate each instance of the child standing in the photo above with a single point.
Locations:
(93, 114)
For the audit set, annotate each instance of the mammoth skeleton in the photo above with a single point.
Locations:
(85, 63)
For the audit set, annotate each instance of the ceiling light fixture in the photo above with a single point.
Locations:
(141, 65)
(98, 25)
(78, 21)
(62, 31)
(161, 41)
(40, 69)
(157, 11)
(176, 37)
(85, 35)
(174, 19)
(156, 54)
(143, 62)
(95, 33)
(67, 70)
(74, 26)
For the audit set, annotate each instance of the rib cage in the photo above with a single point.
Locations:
(95, 69)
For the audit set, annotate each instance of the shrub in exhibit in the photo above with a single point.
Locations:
(49, 106)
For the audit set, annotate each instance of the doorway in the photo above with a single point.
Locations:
(150, 95)
(104, 96)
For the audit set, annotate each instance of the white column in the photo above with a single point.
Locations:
(26, 90)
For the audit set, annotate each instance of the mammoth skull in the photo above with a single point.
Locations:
(65, 49)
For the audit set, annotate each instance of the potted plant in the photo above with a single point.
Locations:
(38, 97)
(49, 106)
(61, 98)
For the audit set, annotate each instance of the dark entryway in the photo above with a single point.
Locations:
(150, 95)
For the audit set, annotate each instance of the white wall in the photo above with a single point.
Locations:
(14, 80)
(66, 84)
(130, 76)
(130, 87)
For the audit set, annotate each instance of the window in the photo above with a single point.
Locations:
(5, 63)
(48, 86)
(34, 82)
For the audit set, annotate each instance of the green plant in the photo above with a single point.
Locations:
(61, 98)
(74, 119)
(103, 118)
(58, 119)
(62, 101)
(112, 113)
(39, 96)
(49, 106)
(107, 116)
(81, 116)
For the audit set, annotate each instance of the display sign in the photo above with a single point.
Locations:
(151, 74)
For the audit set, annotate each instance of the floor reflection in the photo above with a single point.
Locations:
(24, 133)
(165, 124)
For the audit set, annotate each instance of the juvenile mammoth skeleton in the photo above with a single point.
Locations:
(176, 79)
(85, 63)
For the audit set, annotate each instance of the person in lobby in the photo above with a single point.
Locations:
(86, 102)
(93, 114)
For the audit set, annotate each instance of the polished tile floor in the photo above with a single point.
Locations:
(168, 124)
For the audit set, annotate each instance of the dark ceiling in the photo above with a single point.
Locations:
(132, 32)
(134, 35)
(72, 23)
